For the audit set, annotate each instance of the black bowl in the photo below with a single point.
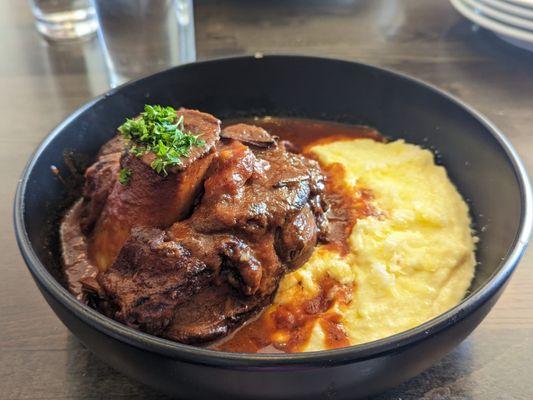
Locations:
(479, 160)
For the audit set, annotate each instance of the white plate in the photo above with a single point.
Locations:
(516, 42)
(501, 5)
(499, 15)
(523, 3)
(491, 24)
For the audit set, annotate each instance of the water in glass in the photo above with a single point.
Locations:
(143, 36)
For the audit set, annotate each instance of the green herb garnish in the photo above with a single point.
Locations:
(158, 130)
(124, 176)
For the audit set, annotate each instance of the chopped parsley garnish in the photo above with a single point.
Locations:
(158, 130)
(124, 176)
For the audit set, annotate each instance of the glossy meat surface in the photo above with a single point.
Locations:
(149, 199)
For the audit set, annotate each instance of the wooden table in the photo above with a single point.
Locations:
(41, 84)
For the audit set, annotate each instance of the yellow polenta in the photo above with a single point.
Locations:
(407, 265)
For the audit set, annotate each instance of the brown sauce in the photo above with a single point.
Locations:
(74, 249)
(288, 327)
(346, 207)
(304, 133)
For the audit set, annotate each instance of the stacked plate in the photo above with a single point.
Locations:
(512, 20)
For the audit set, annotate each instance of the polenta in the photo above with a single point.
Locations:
(406, 264)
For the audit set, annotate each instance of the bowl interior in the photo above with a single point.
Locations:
(294, 86)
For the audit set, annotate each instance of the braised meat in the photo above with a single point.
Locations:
(149, 278)
(112, 209)
(249, 134)
(100, 178)
(260, 214)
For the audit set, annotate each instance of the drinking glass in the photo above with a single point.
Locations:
(143, 36)
(64, 19)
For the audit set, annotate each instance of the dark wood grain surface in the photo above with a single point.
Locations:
(40, 84)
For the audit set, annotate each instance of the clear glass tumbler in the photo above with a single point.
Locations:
(143, 36)
(64, 19)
